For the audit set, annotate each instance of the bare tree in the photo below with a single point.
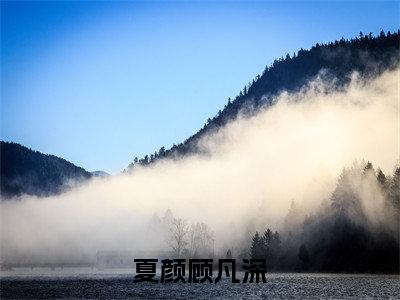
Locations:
(178, 230)
(201, 240)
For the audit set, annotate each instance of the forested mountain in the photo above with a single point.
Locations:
(24, 171)
(366, 54)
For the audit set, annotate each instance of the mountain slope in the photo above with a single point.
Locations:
(24, 171)
(368, 55)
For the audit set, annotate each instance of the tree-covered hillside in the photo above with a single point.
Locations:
(366, 54)
(24, 171)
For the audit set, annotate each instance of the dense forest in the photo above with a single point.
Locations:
(356, 231)
(367, 54)
(24, 171)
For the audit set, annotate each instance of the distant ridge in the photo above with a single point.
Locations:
(100, 174)
(366, 54)
(25, 171)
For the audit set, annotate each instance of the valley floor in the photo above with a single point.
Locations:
(119, 284)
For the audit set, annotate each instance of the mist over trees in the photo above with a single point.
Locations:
(366, 54)
(184, 239)
(357, 230)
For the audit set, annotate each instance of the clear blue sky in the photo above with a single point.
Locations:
(98, 83)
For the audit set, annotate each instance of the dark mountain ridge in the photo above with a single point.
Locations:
(25, 171)
(366, 54)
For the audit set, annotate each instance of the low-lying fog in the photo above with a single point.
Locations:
(294, 150)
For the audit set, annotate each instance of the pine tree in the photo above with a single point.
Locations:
(380, 176)
(256, 246)
(267, 246)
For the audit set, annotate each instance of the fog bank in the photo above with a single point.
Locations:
(293, 150)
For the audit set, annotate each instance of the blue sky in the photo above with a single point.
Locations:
(99, 83)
